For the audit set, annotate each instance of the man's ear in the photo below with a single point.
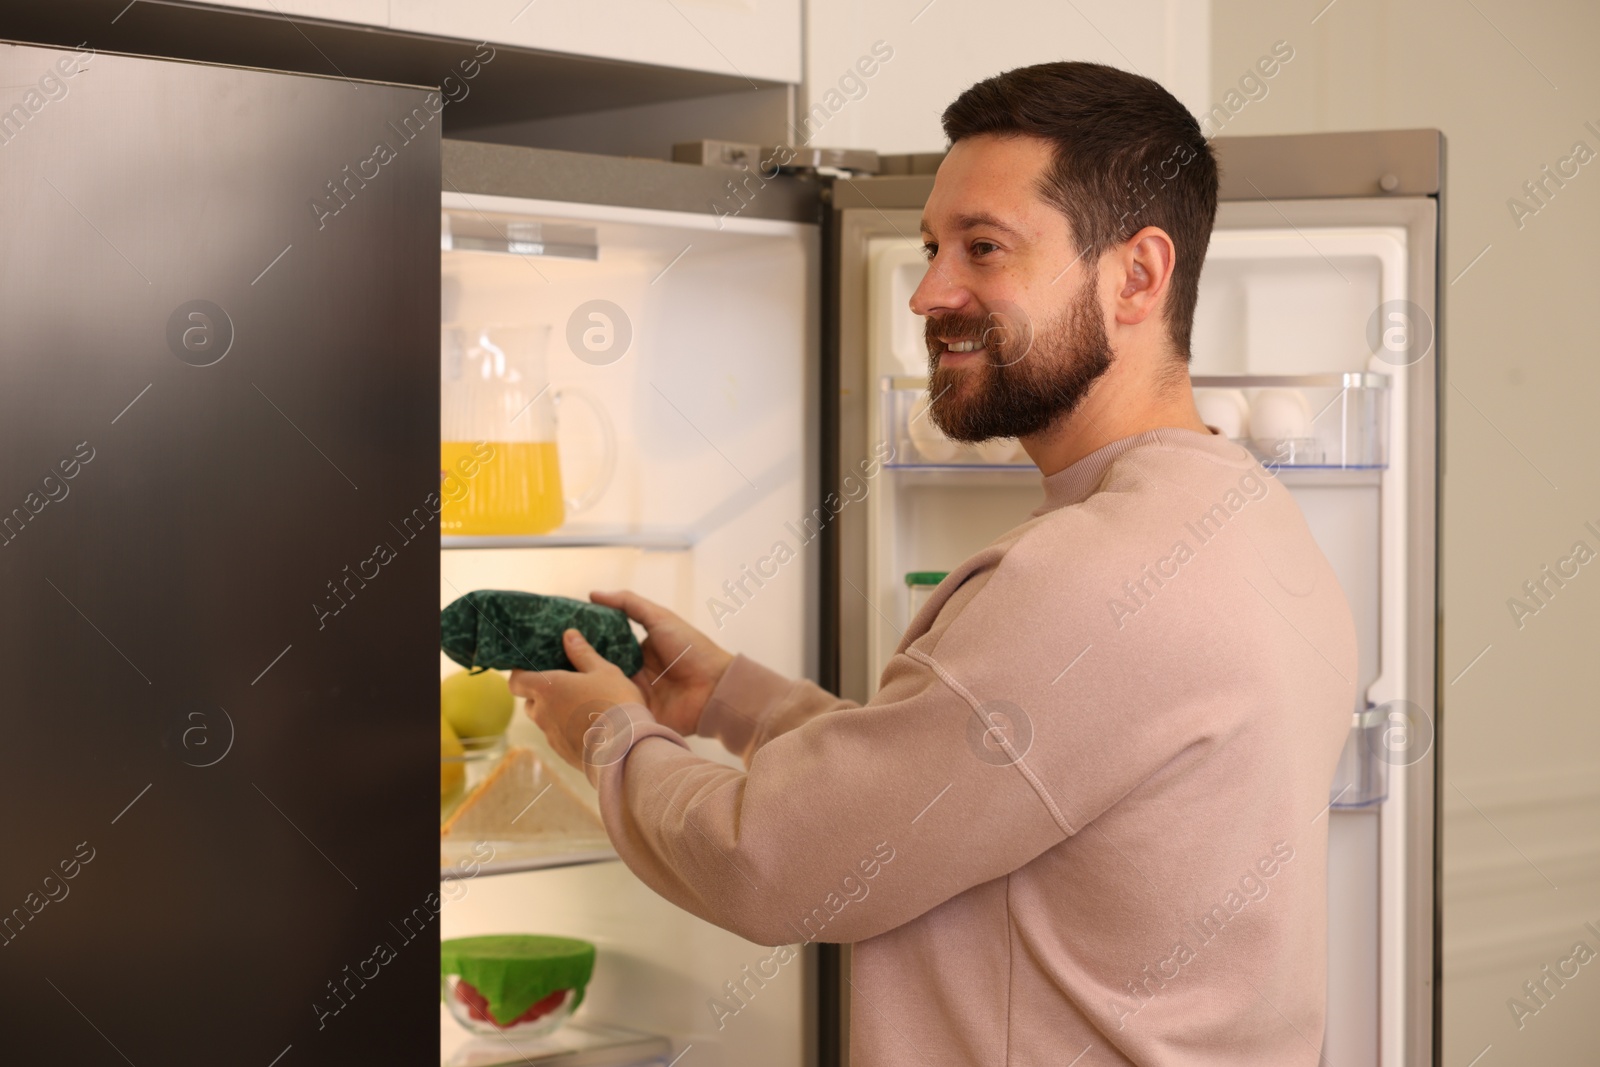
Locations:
(1145, 263)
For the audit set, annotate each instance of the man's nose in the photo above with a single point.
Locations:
(938, 293)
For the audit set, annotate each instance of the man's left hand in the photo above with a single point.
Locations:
(566, 704)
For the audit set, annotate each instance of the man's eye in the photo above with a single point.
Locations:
(929, 251)
(983, 248)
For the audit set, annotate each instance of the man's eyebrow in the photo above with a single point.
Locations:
(979, 220)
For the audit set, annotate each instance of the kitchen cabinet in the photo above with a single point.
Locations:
(757, 39)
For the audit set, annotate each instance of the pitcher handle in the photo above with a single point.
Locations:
(608, 448)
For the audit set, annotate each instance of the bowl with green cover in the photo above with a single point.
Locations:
(517, 984)
(505, 630)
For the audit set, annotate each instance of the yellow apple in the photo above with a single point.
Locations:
(477, 705)
(451, 775)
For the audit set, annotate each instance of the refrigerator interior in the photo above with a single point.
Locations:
(712, 407)
(1275, 301)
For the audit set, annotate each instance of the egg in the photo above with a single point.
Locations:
(1225, 409)
(1278, 414)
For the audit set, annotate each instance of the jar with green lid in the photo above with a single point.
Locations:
(921, 585)
(524, 985)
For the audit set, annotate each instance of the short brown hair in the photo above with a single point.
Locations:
(1127, 155)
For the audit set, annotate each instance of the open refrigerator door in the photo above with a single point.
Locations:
(1316, 321)
(1313, 347)
(692, 339)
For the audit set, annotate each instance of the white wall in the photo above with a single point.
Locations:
(1512, 85)
(940, 48)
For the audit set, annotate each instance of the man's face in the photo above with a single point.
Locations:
(1015, 331)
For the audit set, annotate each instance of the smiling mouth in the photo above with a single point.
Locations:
(963, 346)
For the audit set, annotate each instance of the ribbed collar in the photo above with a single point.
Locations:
(1076, 483)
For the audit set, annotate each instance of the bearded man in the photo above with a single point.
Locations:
(1079, 821)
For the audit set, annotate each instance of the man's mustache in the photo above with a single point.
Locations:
(955, 328)
(1005, 330)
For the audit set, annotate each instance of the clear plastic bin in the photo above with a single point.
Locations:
(1305, 420)
(919, 443)
(1338, 421)
(1362, 777)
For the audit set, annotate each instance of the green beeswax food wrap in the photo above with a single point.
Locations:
(522, 631)
(513, 972)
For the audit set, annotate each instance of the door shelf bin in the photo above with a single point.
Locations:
(919, 444)
(1337, 421)
(1322, 421)
(1362, 777)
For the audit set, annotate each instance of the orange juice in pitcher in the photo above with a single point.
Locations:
(499, 466)
(500, 487)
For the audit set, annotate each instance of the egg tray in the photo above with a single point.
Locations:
(1314, 420)
(919, 443)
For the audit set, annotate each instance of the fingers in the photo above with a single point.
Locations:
(645, 612)
(529, 685)
(582, 653)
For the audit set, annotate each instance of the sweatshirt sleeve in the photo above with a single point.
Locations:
(752, 704)
(774, 852)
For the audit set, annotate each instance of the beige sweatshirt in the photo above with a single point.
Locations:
(1085, 813)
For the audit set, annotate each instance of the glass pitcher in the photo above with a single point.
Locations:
(499, 472)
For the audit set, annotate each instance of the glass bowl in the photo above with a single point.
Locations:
(468, 1007)
(478, 758)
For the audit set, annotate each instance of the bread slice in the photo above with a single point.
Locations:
(522, 800)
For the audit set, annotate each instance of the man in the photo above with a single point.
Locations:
(1082, 816)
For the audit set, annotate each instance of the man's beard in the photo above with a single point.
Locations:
(1030, 378)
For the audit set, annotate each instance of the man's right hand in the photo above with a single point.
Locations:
(681, 665)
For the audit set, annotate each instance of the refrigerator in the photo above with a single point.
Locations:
(264, 308)
(774, 357)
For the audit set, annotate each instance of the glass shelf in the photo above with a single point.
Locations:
(1007, 468)
(519, 811)
(575, 536)
(579, 1043)
(514, 857)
